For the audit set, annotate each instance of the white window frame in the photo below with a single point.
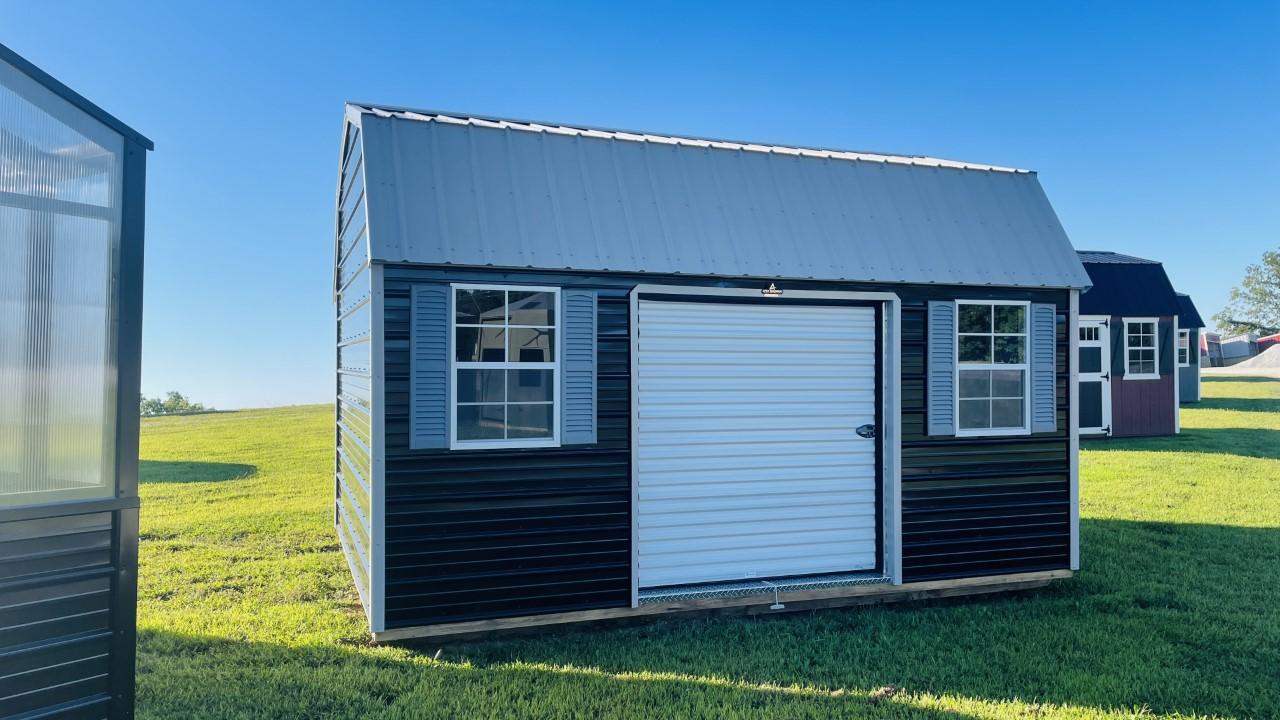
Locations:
(1184, 346)
(555, 366)
(1024, 366)
(1155, 348)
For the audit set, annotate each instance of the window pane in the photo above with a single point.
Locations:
(476, 307)
(975, 318)
(975, 383)
(528, 386)
(1141, 341)
(975, 349)
(1090, 361)
(1147, 367)
(529, 421)
(1010, 350)
(479, 344)
(1006, 383)
(1011, 319)
(532, 308)
(975, 414)
(480, 386)
(532, 345)
(480, 422)
(1006, 413)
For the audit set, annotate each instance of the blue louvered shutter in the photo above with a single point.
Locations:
(578, 384)
(941, 391)
(1043, 333)
(429, 366)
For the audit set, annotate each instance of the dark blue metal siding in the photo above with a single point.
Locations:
(500, 533)
(980, 506)
(497, 533)
(57, 578)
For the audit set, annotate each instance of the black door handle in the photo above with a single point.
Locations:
(866, 431)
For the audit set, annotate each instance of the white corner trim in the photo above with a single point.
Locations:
(1073, 422)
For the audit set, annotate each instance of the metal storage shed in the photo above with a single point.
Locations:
(72, 180)
(586, 373)
(1134, 347)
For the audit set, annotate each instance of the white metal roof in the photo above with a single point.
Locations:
(457, 189)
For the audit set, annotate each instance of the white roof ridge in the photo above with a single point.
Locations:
(639, 136)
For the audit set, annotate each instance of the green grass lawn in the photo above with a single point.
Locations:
(246, 608)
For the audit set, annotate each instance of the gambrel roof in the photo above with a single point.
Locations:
(465, 190)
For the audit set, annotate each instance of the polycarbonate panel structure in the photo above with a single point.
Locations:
(72, 181)
(452, 189)
(60, 210)
(747, 458)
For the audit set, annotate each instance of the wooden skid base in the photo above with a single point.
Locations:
(753, 605)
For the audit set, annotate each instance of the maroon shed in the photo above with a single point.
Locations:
(1128, 337)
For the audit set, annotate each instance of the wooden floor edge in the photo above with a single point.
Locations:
(753, 605)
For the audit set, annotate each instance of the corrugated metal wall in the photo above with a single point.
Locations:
(56, 620)
(499, 533)
(353, 464)
(980, 506)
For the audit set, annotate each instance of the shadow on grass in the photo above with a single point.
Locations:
(1174, 618)
(163, 471)
(261, 679)
(1245, 442)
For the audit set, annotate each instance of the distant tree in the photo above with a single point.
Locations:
(1255, 304)
(174, 403)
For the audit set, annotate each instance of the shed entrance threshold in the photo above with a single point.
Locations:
(748, 588)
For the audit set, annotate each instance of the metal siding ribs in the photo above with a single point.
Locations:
(482, 193)
(506, 533)
(56, 613)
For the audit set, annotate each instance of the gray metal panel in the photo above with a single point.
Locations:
(578, 384)
(470, 192)
(941, 381)
(429, 367)
(1043, 354)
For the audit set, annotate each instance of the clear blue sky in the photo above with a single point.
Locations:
(1155, 129)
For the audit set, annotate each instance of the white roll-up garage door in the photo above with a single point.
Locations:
(747, 460)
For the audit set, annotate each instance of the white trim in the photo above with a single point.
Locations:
(1177, 376)
(891, 411)
(555, 366)
(1103, 375)
(1073, 420)
(1155, 348)
(1181, 333)
(1024, 366)
(377, 422)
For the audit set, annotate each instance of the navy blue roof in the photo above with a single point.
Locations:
(1127, 285)
(1188, 316)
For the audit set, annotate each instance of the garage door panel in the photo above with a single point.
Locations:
(686, 573)
(715, 528)
(769, 538)
(747, 459)
(782, 485)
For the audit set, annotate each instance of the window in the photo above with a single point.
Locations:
(1184, 348)
(1140, 349)
(991, 380)
(506, 369)
(1089, 334)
